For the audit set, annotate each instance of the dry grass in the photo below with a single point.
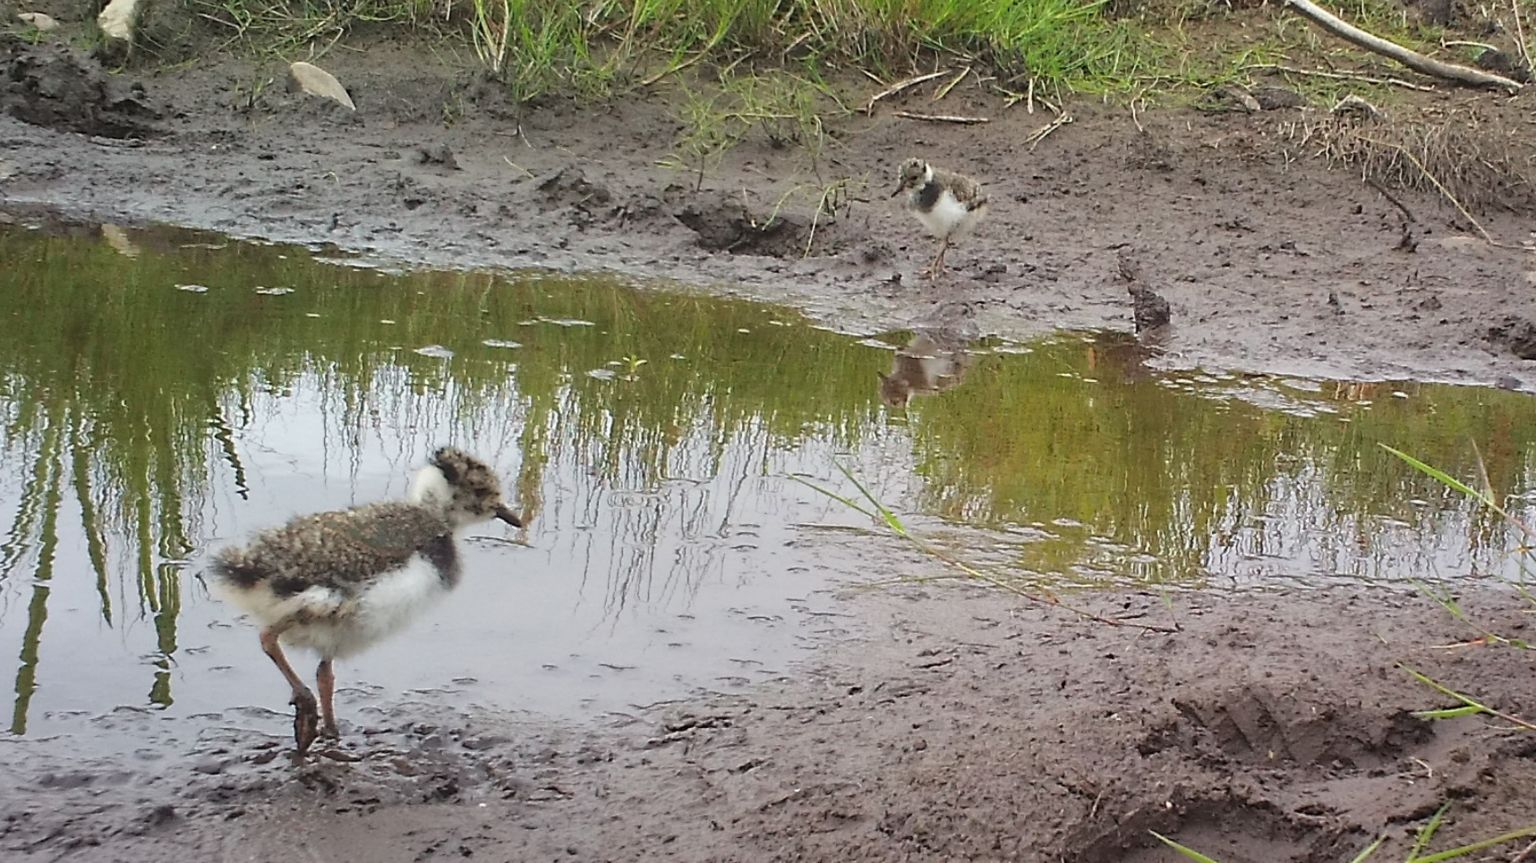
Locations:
(1483, 163)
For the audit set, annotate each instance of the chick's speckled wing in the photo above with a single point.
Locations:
(339, 549)
(965, 190)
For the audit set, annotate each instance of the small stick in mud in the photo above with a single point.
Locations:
(944, 118)
(944, 90)
(1339, 76)
(869, 108)
(1407, 242)
(1034, 138)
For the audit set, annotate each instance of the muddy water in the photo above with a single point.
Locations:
(162, 393)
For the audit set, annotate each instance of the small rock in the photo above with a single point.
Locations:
(442, 155)
(1149, 309)
(118, 20)
(1516, 333)
(40, 22)
(1273, 98)
(311, 79)
(210, 766)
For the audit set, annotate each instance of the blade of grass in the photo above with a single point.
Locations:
(1467, 700)
(1187, 852)
(1427, 832)
(1369, 849)
(1473, 848)
(1445, 479)
(1449, 712)
(894, 523)
(834, 495)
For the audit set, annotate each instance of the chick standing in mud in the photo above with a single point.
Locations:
(948, 204)
(337, 582)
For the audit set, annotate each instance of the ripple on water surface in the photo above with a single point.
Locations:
(156, 405)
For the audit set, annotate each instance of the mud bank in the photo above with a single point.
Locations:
(957, 726)
(1270, 260)
(943, 724)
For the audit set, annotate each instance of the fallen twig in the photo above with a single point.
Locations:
(1412, 59)
(1406, 242)
(1520, 47)
(517, 167)
(676, 67)
(943, 118)
(897, 87)
(944, 90)
(1342, 76)
(1041, 133)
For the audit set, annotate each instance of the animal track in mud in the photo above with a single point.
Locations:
(1221, 825)
(1254, 725)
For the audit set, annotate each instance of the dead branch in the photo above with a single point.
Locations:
(943, 118)
(1412, 59)
(869, 107)
(1040, 134)
(1405, 242)
(1340, 76)
(944, 90)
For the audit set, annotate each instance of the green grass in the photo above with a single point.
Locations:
(1147, 52)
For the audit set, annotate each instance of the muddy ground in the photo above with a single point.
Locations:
(947, 724)
(944, 724)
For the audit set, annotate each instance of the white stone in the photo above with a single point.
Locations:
(118, 20)
(38, 20)
(318, 82)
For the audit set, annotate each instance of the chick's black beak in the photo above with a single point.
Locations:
(508, 516)
(898, 191)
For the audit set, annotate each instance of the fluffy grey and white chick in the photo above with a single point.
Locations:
(948, 204)
(337, 582)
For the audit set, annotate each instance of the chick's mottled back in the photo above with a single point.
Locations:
(338, 550)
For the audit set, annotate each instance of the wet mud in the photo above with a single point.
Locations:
(957, 725)
(946, 723)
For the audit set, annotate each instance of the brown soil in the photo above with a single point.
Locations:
(954, 726)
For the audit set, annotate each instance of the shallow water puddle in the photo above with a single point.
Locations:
(163, 392)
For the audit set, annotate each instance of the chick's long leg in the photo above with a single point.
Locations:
(305, 716)
(938, 260)
(325, 676)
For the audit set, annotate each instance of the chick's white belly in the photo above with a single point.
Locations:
(336, 624)
(380, 610)
(948, 218)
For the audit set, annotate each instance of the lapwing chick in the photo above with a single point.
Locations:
(947, 204)
(337, 582)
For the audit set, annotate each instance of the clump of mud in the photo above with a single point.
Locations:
(54, 87)
(724, 224)
(1516, 333)
(721, 222)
